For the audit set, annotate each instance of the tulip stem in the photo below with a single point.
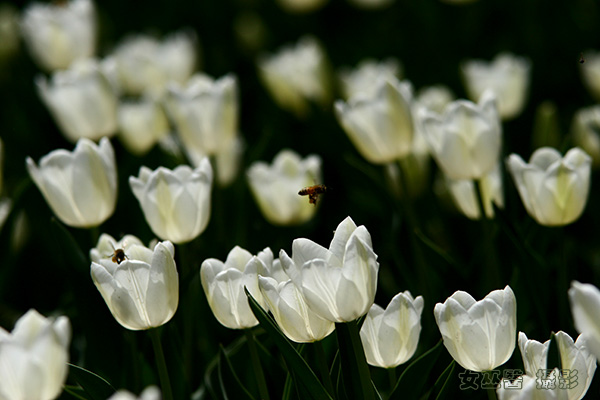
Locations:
(392, 377)
(323, 369)
(355, 370)
(161, 364)
(258, 371)
(491, 269)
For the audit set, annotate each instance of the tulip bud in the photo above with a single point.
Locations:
(296, 75)
(585, 307)
(275, 187)
(506, 75)
(380, 127)
(141, 125)
(466, 139)
(57, 34)
(479, 335)
(390, 336)
(81, 100)
(367, 72)
(338, 283)
(80, 186)
(205, 112)
(141, 288)
(34, 357)
(224, 282)
(554, 189)
(176, 203)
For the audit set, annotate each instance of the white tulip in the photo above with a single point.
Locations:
(380, 127)
(479, 335)
(466, 139)
(590, 71)
(150, 393)
(142, 124)
(205, 112)
(362, 79)
(275, 187)
(338, 283)
(224, 282)
(176, 203)
(465, 197)
(34, 357)
(585, 130)
(506, 75)
(141, 289)
(296, 75)
(554, 189)
(390, 336)
(81, 100)
(80, 186)
(585, 307)
(57, 34)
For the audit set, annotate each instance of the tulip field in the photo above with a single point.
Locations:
(299, 199)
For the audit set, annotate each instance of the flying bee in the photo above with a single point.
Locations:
(313, 192)
(118, 256)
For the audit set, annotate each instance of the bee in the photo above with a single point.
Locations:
(118, 256)
(313, 192)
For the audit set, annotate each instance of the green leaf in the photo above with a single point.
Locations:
(301, 370)
(225, 383)
(440, 388)
(94, 386)
(413, 379)
(355, 370)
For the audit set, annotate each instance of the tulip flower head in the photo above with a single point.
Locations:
(141, 125)
(479, 335)
(176, 203)
(465, 141)
(150, 393)
(57, 34)
(554, 189)
(585, 130)
(224, 282)
(141, 289)
(33, 357)
(585, 307)
(80, 186)
(275, 187)
(362, 79)
(590, 72)
(338, 283)
(381, 126)
(390, 336)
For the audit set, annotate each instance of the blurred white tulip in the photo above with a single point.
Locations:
(224, 282)
(362, 79)
(506, 75)
(297, 74)
(466, 139)
(371, 4)
(57, 34)
(585, 130)
(150, 393)
(141, 289)
(80, 186)
(301, 6)
(554, 189)
(34, 357)
(585, 307)
(81, 100)
(479, 335)
(338, 283)
(275, 187)
(590, 72)
(142, 124)
(464, 193)
(176, 203)
(390, 336)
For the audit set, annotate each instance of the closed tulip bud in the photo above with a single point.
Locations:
(585, 131)
(479, 335)
(465, 141)
(585, 307)
(176, 203)
(506, 75)
(554, 189)
(275, 187)
(57, 34)
(205, 112)
(362, 79)
(141, 125)
(590, 71)
(381, 127)
(34, 357)
(465, 197)
(338, 283)
(81, 100)
(390, 336)
(140, 286)
(147, 65)
(224, 282)
(296, 75)
(150, 393)
(80, 186)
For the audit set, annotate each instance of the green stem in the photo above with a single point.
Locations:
(355, 370)
(392, 377)
(323, 368)
(260, 376)
(491, 270)
(491, 392)
(161, 364)
(562, 281)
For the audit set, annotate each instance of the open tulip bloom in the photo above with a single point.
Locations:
(554, 189)
(338, 283)
(585, 307)
(479, 335)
